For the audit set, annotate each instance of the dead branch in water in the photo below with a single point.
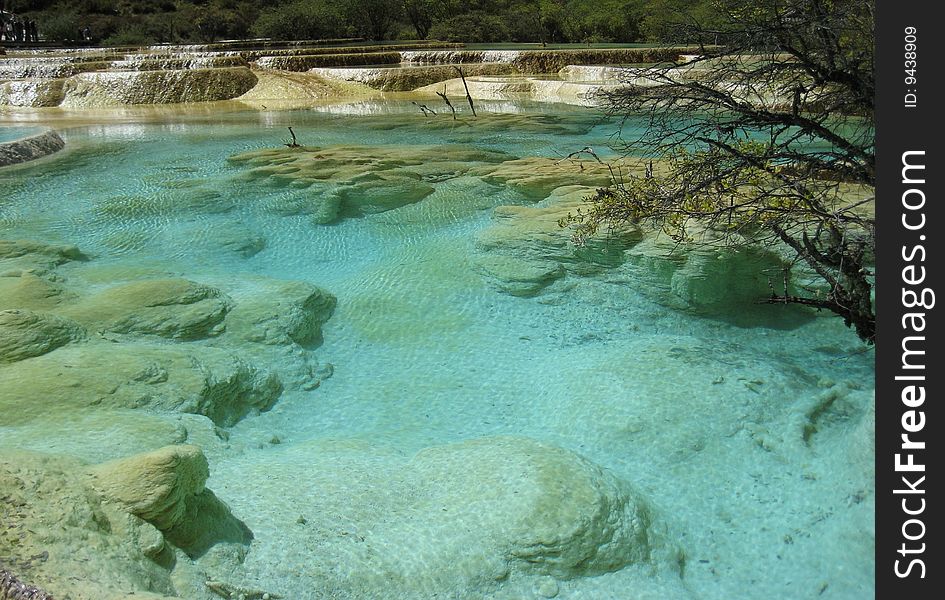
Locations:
(447, 100)
(585, 150)
(293, 143)
(466, 87)
(424, 109)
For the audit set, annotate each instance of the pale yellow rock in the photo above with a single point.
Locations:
(32, 92)
(170, 308)
(165, 487)
(537, 177)
(24, 334)
(285, 89)
(68, 536)
(525, 250)
(157, 485)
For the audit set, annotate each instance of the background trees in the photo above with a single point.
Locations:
(551, 21)
(776, 148)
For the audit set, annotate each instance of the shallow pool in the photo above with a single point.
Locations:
(707, 415)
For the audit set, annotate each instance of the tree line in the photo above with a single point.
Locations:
(486, 21)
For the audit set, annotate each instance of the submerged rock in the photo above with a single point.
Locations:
(278, 312)
(537, 177)
(170, 308)
(161, 378)
(525, 250)
(537, 507)
(24, 334)
(24, 289)
(461, 520)
(30, 148)
(350, 181)
(23, 255)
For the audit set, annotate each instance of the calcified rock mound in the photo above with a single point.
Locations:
(702, 277)
(254, 54)
(156, 87)
(92, 341)
(462, 520)
(170, 308)
(166, 488)
(20, 288)
(349, 181)
(402, 79)
(24, 334)
(526, 252)
(61, 535)
(284, 89)
(306, 62)
(278, 312)
(30, 148)
(66, 524)
(145, 62)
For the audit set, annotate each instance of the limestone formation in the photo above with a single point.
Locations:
(24, 334)
(362, 179)
(34, 93)
(17, 256)
(401, 79)
(536, 177)
(275, 312)
(158, 377)
(30, 148)
(170, 308)
(166, 487)
(61, 536)
(525, 250)
(24, 289)
(541, 508)
(461, 520)
(156, 87)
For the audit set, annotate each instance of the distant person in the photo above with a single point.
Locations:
(17, 31)
(32, 32)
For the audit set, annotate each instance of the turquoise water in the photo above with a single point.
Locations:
(702, 413)
(8, 134)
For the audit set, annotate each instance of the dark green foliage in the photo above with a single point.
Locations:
(475, 26)
(549, 21)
